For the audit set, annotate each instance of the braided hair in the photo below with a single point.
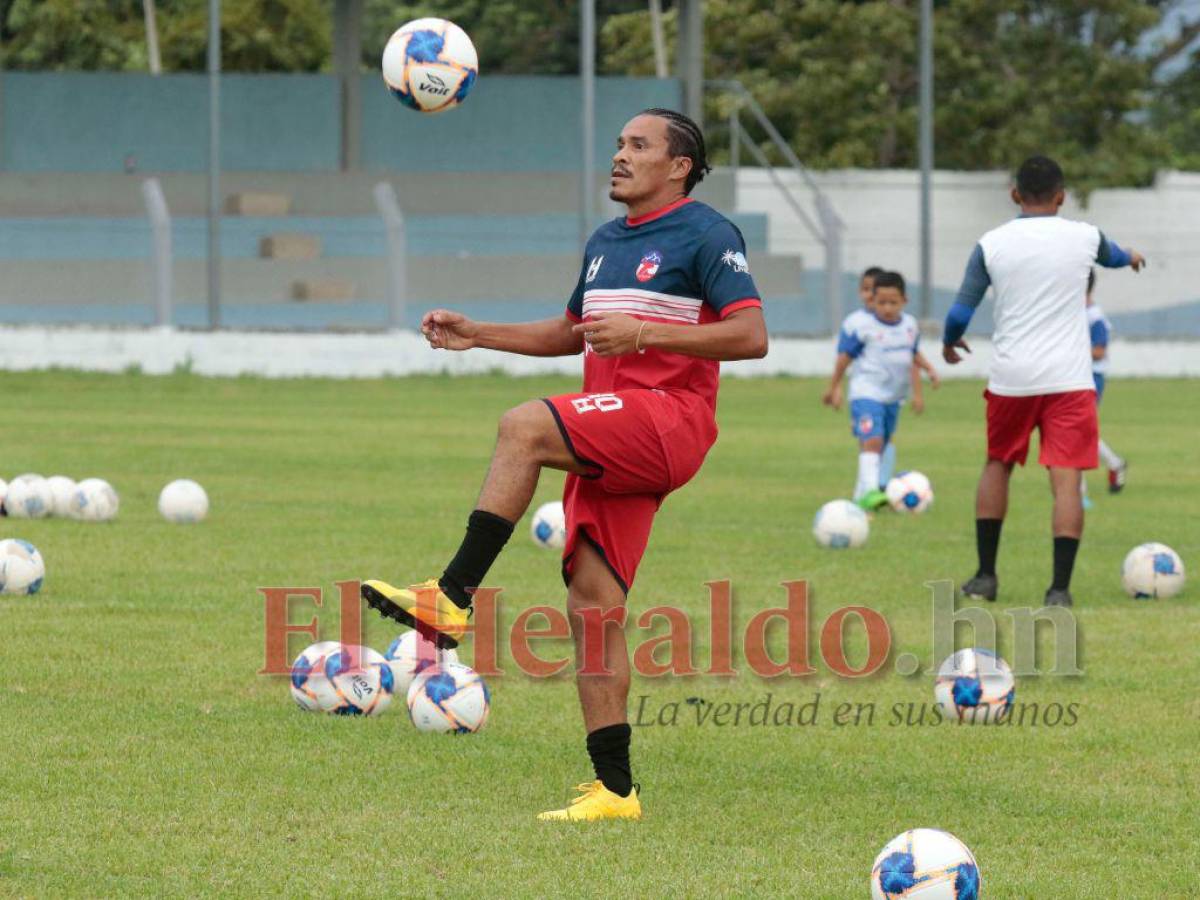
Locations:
(684, 138)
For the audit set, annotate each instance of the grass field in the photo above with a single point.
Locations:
(144, 756)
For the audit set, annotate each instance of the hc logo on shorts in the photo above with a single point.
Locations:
(866, 424)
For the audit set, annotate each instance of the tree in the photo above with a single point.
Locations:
(87, 35)
(1013, 77)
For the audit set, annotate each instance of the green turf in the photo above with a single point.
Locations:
(143, 755)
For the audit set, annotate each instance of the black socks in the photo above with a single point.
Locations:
(609, 749)
(987, 543)
(487, 533)
(1065, 549)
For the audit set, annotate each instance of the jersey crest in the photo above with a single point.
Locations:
(649, 265)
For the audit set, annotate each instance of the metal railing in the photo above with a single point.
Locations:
(826, 226)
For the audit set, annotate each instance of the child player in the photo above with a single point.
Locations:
(866, 290)
(882, 343)
(1101, 331)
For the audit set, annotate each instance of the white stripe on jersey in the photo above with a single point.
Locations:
(649, 303)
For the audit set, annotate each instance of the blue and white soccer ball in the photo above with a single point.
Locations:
(22, 568)
(839, 524)
(910, 492)
(29, 496)
(449, 698)
(430, 65)
(974, 686)
(344, 679)
(1152, 570)
(925, 864)
(411, 654)
(549, 526)
(94, 500)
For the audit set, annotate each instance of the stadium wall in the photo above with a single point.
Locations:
(283, 355)
(114, 121)
(882, 214)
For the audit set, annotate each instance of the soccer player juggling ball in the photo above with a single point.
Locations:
(881, 342)
(1041, 372)
(664, 294)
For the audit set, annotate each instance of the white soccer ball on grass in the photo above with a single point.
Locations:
(183, 501)
(840, 524)
(94, 500)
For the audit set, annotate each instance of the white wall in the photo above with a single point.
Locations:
(284, 355)
(882, 213)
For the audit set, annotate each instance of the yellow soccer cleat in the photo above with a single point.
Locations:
(423, 607)
(595, 801)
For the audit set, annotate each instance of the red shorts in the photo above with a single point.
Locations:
(639, 445)
(1066, 423)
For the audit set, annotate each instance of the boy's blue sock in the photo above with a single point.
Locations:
(887, 465)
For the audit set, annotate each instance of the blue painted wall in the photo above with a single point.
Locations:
(90, 122)
(511, 123)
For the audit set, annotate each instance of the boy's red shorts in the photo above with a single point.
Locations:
(1066, 423)
(639, 445)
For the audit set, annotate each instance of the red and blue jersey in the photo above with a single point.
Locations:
(684, 264)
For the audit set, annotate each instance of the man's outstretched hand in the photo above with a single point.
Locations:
(1137, 262)
(950, 351)
(446, 330)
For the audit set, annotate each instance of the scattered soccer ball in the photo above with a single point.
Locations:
(925, 864)
(410, 654)
(450, 697)
(21, 567)
(910, 492)
(183, 501)
(840, 523)
(549, 526)
(61, 490)
(29, 497)
(310, 688)
(94, 500)
(3, 492)
(430, 65)
(1152, 570)
(344, 679)
(974, 686)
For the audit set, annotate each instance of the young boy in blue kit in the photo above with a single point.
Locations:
(882, 344)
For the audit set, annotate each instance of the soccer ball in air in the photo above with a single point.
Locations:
(94, 500)
(344, 679)
(183, 501)
(1152, 570)
(29, 497)
(549, 526)
(61, 490)
(974, 686)
(840, 523)
(410, 654)
(925, 864)
(450, 697)
(910, 492)
(21, 567)
(430, 65)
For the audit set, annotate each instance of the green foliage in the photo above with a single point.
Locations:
(256, 35)
(839, 80)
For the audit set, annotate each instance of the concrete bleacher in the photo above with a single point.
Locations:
(498, 245)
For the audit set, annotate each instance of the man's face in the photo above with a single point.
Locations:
(643, 164)
(866, 289)
(889, 303)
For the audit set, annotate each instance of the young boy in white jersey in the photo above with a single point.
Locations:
(866, 293)
(882, 344)
(1100, 330)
